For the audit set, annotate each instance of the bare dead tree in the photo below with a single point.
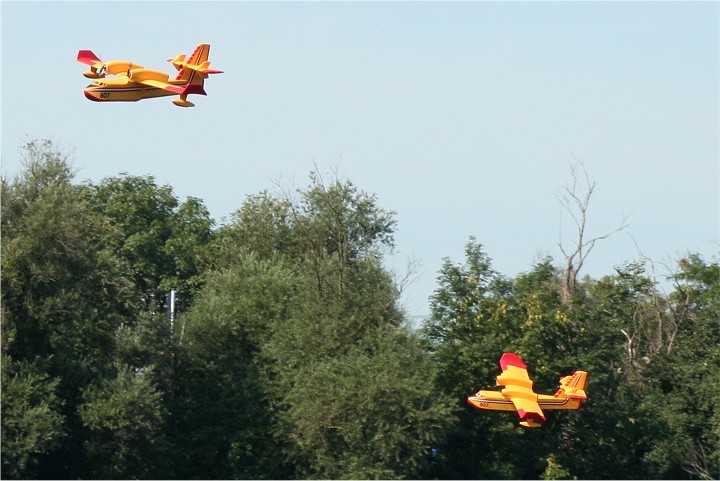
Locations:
(697, 463)
(405, 279)
(575, 199)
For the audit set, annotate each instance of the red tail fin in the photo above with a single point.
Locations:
(573, 386)
(199, 55)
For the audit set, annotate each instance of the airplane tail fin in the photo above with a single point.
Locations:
(573, 386)
(195, 69)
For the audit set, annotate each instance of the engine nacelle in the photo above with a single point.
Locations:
(140, 74)
(117, 67)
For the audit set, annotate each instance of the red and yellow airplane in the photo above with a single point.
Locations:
(519, 396)
(133, 82)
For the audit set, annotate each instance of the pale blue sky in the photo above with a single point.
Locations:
(462, 117)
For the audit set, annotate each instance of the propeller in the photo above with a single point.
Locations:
(89, 58)
(102, 67)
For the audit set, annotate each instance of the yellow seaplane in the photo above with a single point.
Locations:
(518, 394)
(132, 82)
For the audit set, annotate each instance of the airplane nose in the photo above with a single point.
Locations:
(89, 95)
(473, 401)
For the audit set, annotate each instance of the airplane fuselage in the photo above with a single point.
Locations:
(495, 401)
(122, 89)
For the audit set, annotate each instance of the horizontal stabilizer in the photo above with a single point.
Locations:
(177, 61)
(203, 68)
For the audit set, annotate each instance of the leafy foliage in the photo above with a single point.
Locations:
(653, 398)
(162, 240)
(124, 417)
(32, 424)
(289, 357)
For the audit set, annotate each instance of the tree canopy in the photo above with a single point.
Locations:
(289, 355)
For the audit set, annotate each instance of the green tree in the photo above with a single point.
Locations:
(64, 293)
(32, 422)
(368, 413)
(682, 404)
(44, 165)
(223, 422)
(162, 240)
(555, 470)
(299, 302)
(57, 278)
(125, 418)
(609, 426)
(475, 318)
(262, 225)
(477, 314)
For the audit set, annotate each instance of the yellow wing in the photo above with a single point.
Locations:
(527, 409)
(518, 387)
(159, 80)
(158, 84)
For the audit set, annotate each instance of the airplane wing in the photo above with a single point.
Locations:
(162, 85)
(514, 371)
(518, 387)
(527, 409)
(176, 89)
(88, 57)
